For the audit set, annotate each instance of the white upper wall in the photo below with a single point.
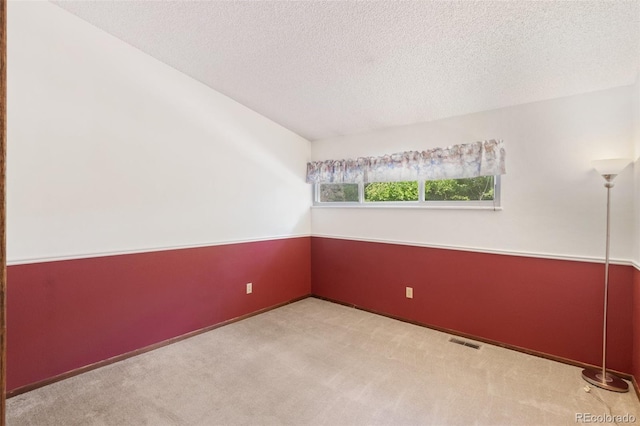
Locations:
(554, 202)
(111, 150)
(636, 116)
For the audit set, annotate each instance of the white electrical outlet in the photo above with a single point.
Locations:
(249, 288)
(409, 292)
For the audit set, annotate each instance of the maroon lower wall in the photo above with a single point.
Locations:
(549, 306)
(64, 315)
(636, 325)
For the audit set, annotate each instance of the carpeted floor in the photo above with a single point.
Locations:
(317, 363)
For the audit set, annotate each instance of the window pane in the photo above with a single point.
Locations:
(474, 189)
(391, 191)
(338, 192)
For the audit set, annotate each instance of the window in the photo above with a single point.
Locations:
(474, 189)
(338, 192)
(391, 191)
(483, 191)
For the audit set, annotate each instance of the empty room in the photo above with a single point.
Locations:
(321, 213)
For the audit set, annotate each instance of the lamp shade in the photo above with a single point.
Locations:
(612, 166)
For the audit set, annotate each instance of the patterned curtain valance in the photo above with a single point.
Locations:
(470, 160)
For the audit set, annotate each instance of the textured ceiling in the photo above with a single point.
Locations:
(327, 68)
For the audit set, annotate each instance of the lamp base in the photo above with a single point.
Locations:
(610, 382)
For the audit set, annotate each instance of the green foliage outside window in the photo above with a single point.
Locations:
(474, 189)
(338, 192)
(391, 191)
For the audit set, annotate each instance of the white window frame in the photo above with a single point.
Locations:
(421, 203)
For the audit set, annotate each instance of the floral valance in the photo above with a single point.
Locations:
(470, 160)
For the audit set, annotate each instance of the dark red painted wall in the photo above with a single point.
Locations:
(67, 314)
(64, 315)
(550, 306)
(636, 325)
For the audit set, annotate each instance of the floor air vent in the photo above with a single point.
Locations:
(463, 343)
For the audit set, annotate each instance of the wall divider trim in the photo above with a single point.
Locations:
(77, 256)
(537, 255)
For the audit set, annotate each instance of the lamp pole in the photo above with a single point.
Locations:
(601, 378)
(608, 184)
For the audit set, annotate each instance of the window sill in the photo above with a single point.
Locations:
(404, 206)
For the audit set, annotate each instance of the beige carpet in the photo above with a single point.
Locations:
(318, 363)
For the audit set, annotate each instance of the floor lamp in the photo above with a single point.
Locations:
(609, 169)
